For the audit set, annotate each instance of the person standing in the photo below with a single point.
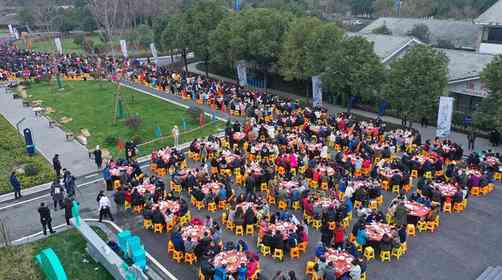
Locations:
(176, 135)
(45, 218)
(471, 138)
(57, 194)
(57, 165)
(104, 208)
(108, 177)
(98, 157)
(68, 204)
(16, 185)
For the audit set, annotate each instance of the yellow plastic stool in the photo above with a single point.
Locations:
(385, 256)
(369, 253)
(239, 230)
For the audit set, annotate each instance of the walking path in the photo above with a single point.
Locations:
(48, 141)
(428, 132)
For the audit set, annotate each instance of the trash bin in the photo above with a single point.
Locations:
(30, 147)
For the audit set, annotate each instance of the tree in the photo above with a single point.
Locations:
(384, 8)
(228, 45)
(204, 17)
(292, 59)
(418, 8)
(142, 36)
(362, 7)
(176, 37)
(421, 32)
(416, 81)
(489, 113)
(353, 70)
(108, 17)
(323, 41)
(25, 16)
(254, 35)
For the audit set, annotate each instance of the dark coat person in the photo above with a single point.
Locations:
(16, 185)
(56, 164)
(45, 218)
(98, 157)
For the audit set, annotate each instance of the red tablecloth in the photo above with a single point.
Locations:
(145, 187)
(376, 231)
(196, 232)
(172, 205)
(211, 187)
(416, 209)
(447, 190)
(283, 227)
(232, 259)
(341, 259)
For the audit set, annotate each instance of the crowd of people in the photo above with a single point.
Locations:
(282, 167)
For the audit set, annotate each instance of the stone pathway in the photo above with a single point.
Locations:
(48, 141)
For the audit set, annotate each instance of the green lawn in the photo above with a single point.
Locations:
(18, 263)
(13, 155)
(90, 104)
(49, 46)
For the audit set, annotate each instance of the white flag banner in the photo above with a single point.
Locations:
(154, 53)
(123, 48)
(444, 116)
(316, 91)
(11, 29)
(16, 34)
(59, 46)
(242, 73)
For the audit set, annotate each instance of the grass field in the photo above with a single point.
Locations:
(18, 263)
(13, 155)
(90, 105)
(49, 46)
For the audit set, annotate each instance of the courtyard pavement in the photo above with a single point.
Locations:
(48, 141)
(461, 249)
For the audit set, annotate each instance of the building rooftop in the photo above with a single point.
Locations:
(492, 16)
(465, 64)
(386, 45)
(462, 34)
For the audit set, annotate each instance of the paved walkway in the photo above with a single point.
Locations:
(48, 141)
(428, 132)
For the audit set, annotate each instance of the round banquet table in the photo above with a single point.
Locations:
(341, 259)
(446, 190)
(145, 187)
(196, 232)
(376, 231)
(231, 259)
(283, 227)
(416, 209)
(213, 187)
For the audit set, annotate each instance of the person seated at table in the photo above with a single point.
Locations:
(339, 236)
(220, 273)
(229, 246)
(386, 243)
(242, 246)
(292, 240)
(240, 198)
(206, 267)
(222, 195)
(330, 272)
(249, 217)
(238, 217)
(177, 240)
(188, 245)
(157, 217)
(277, 241)
(137, 199)
(361, 237)
(252, 266)
(268, 239)
(320, 250)
(147, 213)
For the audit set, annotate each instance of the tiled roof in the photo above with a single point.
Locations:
(465, 64)
(385, 45)
(462, 34)
(492, 16)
